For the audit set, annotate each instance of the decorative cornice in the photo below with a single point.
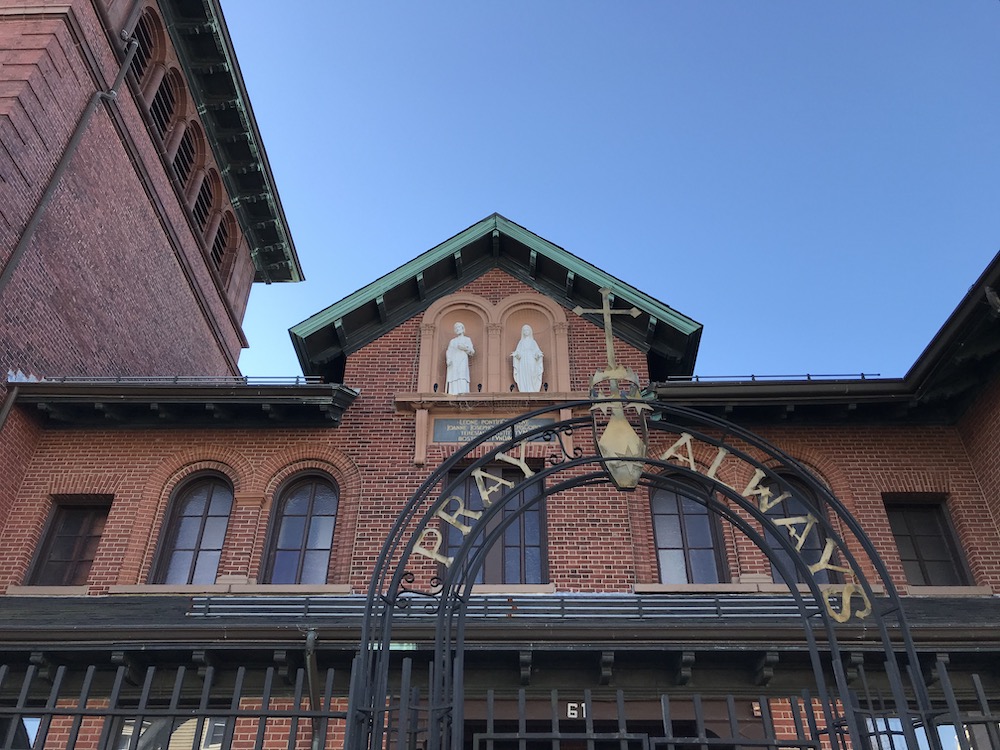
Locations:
(203, 45)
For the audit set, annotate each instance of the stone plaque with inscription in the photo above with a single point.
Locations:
(464, 429)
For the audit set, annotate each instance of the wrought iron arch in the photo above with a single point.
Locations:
(395, 587)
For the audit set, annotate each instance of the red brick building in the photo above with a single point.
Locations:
(215, 541)
(131, 226)
(646, 559)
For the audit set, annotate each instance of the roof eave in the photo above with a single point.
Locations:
(237, 144)
(344, 327)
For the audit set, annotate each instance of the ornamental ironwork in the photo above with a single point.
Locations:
(629, 442)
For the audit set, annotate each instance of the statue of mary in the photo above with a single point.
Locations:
(528, 364)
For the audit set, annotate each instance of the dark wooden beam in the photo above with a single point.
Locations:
(685, 665)
(338, 325)
(524, 659)
(607, 666)
(764, 670)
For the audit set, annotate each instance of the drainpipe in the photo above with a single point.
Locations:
(312, 677)
(74, 142)
(7, 405)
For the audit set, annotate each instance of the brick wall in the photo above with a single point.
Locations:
(116, 280)
(980, 433)
(599, 540)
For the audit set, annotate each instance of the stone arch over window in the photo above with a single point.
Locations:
(302, 530)
(495, 331)
(194, 533)
(150, 51)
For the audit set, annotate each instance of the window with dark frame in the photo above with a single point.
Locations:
(686, 536)
(196, 532)
(168, 732)
(800, 505)
(518, 557)
(68, 550)
(302, 532)
(928, 547)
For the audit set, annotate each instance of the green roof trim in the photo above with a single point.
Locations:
(199, 34)
(324, 340)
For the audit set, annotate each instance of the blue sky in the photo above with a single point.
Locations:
(817, 182)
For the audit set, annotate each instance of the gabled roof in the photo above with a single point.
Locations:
(324, 341)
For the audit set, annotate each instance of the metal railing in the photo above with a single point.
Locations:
(805, 377)
(75, 706)
(251, 380)
(652, 607)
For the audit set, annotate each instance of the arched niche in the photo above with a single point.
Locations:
(495, 331)
(438, 329)
(548, 323)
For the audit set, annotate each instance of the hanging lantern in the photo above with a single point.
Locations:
(619, 422)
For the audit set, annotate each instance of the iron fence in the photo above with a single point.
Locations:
(192, 707)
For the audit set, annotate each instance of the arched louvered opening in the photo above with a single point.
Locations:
(223, 245)
(190, 153)
(164, 105)
(150, 49)
(205, 202)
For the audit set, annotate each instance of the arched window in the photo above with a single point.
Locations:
(519, 556)
(302, 532)
(687, 537)
(164, 104)
(195, 532)
(797, 517)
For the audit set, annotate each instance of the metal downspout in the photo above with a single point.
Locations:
(74, 142)
(7, 405)
(312, 678)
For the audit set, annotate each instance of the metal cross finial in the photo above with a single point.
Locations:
(607, 312)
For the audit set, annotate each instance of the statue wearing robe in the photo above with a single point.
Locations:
(528, 362)
(457, 358)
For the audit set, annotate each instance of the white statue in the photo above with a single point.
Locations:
(457, 358)
(528, 363)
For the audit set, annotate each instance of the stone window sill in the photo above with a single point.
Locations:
(517, 589)
(47, 590)
(258, 589)
(949, 591)
(725, 588)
